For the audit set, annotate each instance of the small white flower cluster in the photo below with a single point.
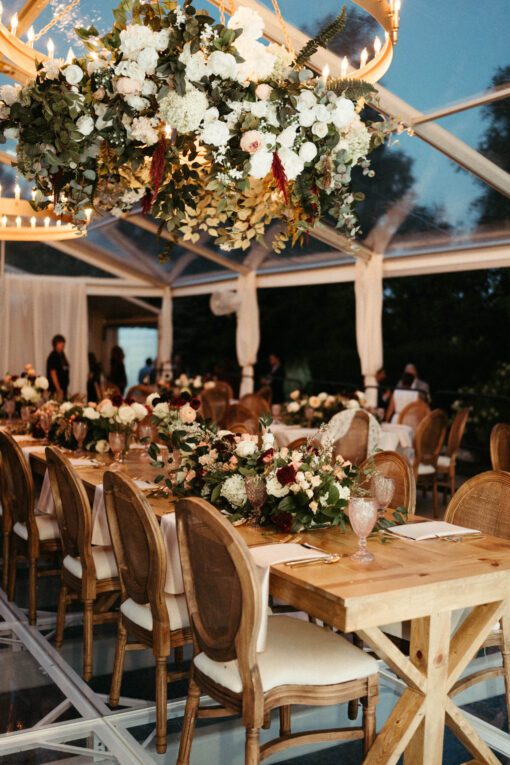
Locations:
(234, 491)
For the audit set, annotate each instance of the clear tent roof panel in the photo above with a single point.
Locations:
(427, 72)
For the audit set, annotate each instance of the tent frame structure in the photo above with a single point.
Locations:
(138, 275)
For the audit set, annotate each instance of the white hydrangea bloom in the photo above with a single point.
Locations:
(126, 414)
(139, 410)
(287, 137)
(147, 60)
(90, 413)
(308, 151)
(196, 63)
(283, 59)
(42, 383)
(307, 117)
(10, 93)
(184, 113)
(258, 63)
(137, 37)
(135, 102)
(130, 69)
(234, 491)
(343, 491)
(343, 113)
(29, 393)
(292, 163)
(261, 163)
(223, 65)
(215, 133)
(144, 129)
(246, 449)
(249, 21)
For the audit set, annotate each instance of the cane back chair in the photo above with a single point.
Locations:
(500, 446)
(446, 462)
(413, 413)
(428, 440)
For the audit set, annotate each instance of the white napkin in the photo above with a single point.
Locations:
(28, 450)
(137, 446)
(266, 556)
(45, 502)
(100, 531)
(20, 439)
(82, 462)
(147, 485)
(173, 584)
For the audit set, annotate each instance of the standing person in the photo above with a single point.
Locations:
(94, 379)
(274, 377)
(147, 374)
(117, 374)
(57, 368)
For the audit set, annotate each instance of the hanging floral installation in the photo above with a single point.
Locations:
(204, 125)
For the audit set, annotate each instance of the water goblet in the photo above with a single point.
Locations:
(79, 432)
(256, 492)
(383, 489)
(26, 415)
(46, 421)
(117, 441)
(362, 516)
(9, 406)
(145, 434)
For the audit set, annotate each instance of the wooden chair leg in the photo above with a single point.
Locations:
(61, 616)
(353, 706)
(452, 484)
(5, 554)
(267, 721)
(368, 723)
(12, 568)
(285, 721)
(161, 692)
(188, 723)
(32, 591)
(87, 638)
(252, 747)
(118, 664)
(436, 498)
(179, 654)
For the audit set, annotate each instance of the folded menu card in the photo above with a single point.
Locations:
(429, 530)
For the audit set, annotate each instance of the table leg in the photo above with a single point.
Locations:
(430, 641)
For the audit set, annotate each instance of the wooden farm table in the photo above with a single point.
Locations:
(419, 581)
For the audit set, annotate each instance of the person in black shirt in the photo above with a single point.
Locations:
(274, 377)
(57, 368)
(94, 379)
(117, 374)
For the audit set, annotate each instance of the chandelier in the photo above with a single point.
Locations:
(19, 222)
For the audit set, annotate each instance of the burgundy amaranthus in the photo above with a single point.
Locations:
(279, 176)
(158, 166)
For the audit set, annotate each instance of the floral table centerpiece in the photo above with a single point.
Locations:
(302, 489)
(202, 123)
(27, 389)
(314, 411)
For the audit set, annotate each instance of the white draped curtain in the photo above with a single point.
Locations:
(244, 302)
(165, 329)
(368, 288)
(32, 311)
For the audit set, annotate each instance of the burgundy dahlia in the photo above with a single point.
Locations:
(195, 403)
(286, 474)
(283, 521)
(117, 400)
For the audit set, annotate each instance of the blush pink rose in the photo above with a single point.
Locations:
(251, 141)
(103, 403)
(126, 86)
(263, 91)
(187, 414)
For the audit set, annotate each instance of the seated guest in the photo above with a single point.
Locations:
(57, 368)
(383, 390)
(147, 374)
(401, 397)
(419, 385)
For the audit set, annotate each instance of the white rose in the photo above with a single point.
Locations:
(215, 133)
(352, 404)
(343, 491)
(108, 411)
(249, 21)
(258, 63)
(292, 163)
(95, 65)
(29, 393)
(293, 407)
(267, 440)
(308, 151)
(126, 86)
(322, 113)
(287, 137)
(90, 413)
(322, 396)
(315, 480)
(4, 111)
(148, 60)
(263, 91)
(65, 407)
(161, 39)
(274, 487)
(136, 102)
(102, 446)
(12, 133)
(126, 414)
(223, 65)
(261, 163)
(197, 382)
(139, 410)
(150, 398)
(132, 70)
(42, 383)
(148, 88)
(85, 125)
(246, 448)
(343, 113)
(320, 129)
(52, 67)
(161, 409)
(187, 414)
(10, 93)
(306, 101)
(73, 74)
(258, 108)
(307, 118)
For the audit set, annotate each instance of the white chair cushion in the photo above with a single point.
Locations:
(46, 524)
(443, 462)
(106, 566)
(296, 653)
(426, 469)
(141, 613)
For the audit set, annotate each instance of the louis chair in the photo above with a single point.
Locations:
(446, 462)
(216, 403)
(266, 393)
(6, 520)
(428, 440)
(33, 536)
(394, 465)
(301, 664)
(500, 446)
(151, 617)
(89, 574)
(353, 445)
(258, 405)
(239, 414)
(413, 413)
(139, 393)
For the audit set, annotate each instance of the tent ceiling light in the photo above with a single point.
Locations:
(19, 222)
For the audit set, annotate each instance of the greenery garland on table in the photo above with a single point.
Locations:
(205, 126)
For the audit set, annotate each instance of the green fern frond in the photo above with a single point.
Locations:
(321, 40)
